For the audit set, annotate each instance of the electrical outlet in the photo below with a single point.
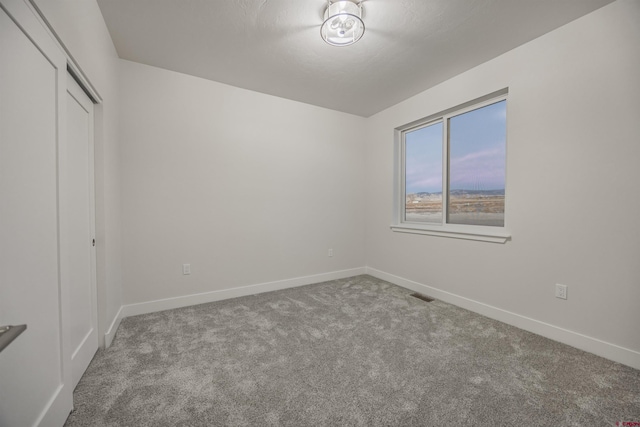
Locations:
(186, 269)
(561, 291)
(330, 253)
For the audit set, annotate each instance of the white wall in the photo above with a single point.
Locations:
(572, 182)
(81, 28)
(247, 188)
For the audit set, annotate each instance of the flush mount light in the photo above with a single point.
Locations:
(343, 23)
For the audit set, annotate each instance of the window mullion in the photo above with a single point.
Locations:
(403, 181)
(445, 170)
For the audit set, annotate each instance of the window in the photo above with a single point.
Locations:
(451, 172)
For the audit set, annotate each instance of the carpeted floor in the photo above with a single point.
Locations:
(357, 351)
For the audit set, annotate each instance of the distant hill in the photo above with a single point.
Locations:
(485, 192)
(463, 192)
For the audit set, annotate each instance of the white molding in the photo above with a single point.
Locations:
(583, 342)
(111, 332)
(57, 409)
(194, 299)
(470, 232)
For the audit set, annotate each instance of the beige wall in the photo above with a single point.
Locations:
(572, 183)
(247, 188)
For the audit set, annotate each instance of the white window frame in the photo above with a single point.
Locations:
(459, 231)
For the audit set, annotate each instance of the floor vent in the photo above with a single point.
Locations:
(422, 297)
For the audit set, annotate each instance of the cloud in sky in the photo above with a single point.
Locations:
(418, 181)
(481, 170)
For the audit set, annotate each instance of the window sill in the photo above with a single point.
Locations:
(467, 232)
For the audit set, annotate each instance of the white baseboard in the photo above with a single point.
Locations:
(111, 332)
(57, 410)
(592, 345)
(583, 342)
(187, 300)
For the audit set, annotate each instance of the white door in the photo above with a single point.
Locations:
(81, 250)
(34, 378)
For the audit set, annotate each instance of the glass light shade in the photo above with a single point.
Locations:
(343, 23)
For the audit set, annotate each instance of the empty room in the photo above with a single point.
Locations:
(319, 213)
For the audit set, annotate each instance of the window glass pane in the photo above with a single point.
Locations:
(477, 157)
(423, 174)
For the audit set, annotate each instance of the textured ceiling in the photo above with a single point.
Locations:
(274, 46)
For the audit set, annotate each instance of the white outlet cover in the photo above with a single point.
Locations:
(561, 291)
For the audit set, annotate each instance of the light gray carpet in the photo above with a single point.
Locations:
(357, 351)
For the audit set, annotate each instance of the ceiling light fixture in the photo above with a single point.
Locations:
(343, 23)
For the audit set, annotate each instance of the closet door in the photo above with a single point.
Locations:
(35, 378)
(81, 244)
